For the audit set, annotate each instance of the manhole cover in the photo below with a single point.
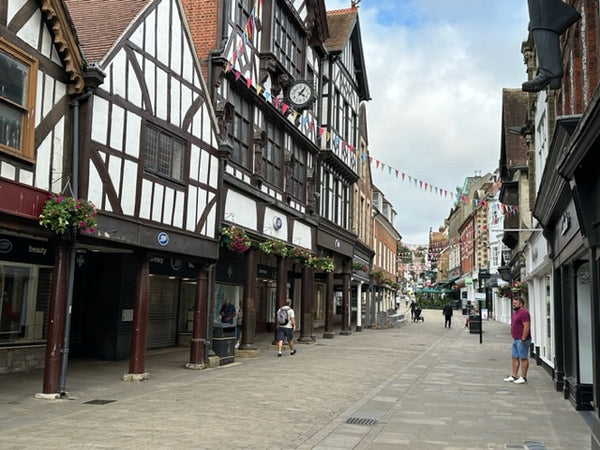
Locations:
(362, 421)
(98, 402)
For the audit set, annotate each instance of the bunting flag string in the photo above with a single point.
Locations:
(252, 24)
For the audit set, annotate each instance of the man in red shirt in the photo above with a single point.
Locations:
(520, 331)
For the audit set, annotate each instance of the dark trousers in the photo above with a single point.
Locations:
(448, 322)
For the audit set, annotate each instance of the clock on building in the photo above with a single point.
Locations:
(300, 94)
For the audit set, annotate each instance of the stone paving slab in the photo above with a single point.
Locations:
(419, 386)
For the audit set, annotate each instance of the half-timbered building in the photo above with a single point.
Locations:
(149, 160)
(265, 62)
(40, 70)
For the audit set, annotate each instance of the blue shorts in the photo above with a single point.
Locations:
(285, 334)
(520, 349)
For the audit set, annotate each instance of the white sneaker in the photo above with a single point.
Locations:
(520, 380)
(510, 379)
(236, 345)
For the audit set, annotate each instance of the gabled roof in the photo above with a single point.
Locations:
(344, 26)
(99, 24)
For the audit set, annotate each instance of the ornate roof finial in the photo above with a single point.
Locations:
(354, 3)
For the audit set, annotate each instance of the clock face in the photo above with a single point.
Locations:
(301, 93)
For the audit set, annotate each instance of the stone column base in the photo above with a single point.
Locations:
(346, 333)
(214, 361)
(328, 335)
(358, 328)
(247, 352)
(47, 396)
(136, 376)
(194, 366)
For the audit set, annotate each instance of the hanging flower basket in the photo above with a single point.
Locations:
(61, 213)
(235, 239)
(300, 256)
(377, 275)
(322, 263)
(274, 247)
(513, 290)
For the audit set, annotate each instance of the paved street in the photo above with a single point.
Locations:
(419, 386)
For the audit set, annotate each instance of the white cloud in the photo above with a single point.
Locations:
(436, 69)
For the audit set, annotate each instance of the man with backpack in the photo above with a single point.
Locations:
(286, 325)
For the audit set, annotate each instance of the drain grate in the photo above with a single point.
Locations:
(98, 402)
(362, 421)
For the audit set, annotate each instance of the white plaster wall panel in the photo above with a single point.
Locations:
(191, 208)
(42, 167)
(58, 150)
(100, 120)
(107, 204)
(186, 101)
(269, 229)
(137, 37)
(14, 7)
(168, 208)
(207, 134)
(175, 102)
(150, 41)
(134, 91)
(162, 94)
(157, 202)
(179, 208)
(128, 190)
(39, 92)
(204, 168)
(175, 43)
(301, 235)
(60, 90)
(95, 187)
(118, 75)
(31, 30)
(146, 199)
(188, 70)
(194, 161)
(117, 123)
(46, 46)
(241, 210)
(150, 79)
(211, 218)
(132, 137)
(7, 170)
(214, 172)
(115, 164)
(26, 177)
(163, 32)
(200, 206)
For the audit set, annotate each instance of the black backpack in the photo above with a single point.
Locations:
(282, 316)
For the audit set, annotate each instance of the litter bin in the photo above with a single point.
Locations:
(224, 342)
(474, 324)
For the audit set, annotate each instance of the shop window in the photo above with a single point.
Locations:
(24, 300)
(17, 101)
(164, 154)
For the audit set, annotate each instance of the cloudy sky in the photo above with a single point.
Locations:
(436, 69)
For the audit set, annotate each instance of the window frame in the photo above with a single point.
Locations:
(272, 155)
(240, 137)
(26, 150)
(156, 170)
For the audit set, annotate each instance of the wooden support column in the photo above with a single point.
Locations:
(199, 327)
(56, 323)
(328, 332)
(247, 345)
(306, 330)
(345, 328)
(137, 353)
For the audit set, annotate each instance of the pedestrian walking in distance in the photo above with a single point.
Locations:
(447, 312)
(520, 331)
(286, 325)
